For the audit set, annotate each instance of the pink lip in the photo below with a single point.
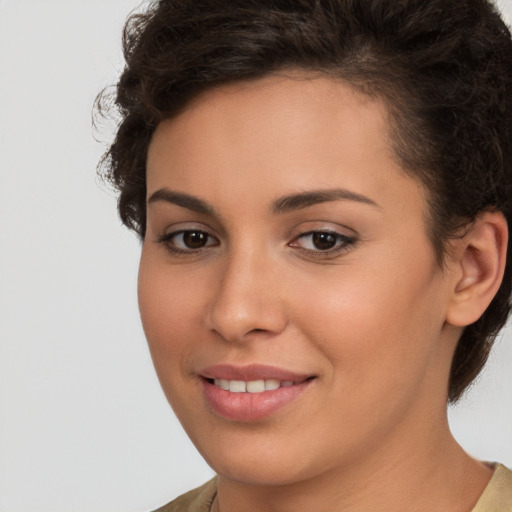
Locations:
(247, 407)
(250, 372)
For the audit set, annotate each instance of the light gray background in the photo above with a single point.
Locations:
(83, 423)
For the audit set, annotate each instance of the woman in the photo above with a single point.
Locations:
(323, 188)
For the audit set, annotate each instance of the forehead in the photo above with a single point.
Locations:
(280, 111)
(275, 136)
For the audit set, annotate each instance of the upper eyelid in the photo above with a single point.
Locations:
(325, 230)
(299, 231)
(166, 241)
(342, 236)
(175, 232)
(324, 227)
(180, 227)
(343, 239)
(170, 230)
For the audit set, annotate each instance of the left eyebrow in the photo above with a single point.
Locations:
(305, 199)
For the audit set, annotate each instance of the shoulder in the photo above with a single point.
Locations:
(197, 500)
(497, 496)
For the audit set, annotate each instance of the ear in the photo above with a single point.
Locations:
(479, 263)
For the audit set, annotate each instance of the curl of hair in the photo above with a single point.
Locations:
(443, 67)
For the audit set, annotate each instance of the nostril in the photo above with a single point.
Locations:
(239, 318)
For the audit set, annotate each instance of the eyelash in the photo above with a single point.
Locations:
(168, 240)
(342, 242)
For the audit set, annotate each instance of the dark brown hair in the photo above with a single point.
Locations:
(443, 67)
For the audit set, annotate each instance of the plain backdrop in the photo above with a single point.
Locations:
(84, 425)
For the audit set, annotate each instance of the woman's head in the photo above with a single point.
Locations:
(286, 247)
(442, 69)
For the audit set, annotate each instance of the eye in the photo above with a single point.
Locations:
(189, 240)
(323, 241)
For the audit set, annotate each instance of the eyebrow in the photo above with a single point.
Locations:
(282, 205)
(180, 199)
(310, 198)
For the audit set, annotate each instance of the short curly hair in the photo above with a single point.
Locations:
(444, 69)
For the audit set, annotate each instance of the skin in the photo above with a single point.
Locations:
(373, 321)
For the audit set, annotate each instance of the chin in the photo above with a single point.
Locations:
(265, 472)
(261, 459)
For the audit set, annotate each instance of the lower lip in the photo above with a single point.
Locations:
(248, 407)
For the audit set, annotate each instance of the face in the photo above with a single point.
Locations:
(288, 290)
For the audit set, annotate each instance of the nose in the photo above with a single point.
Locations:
(248, 299)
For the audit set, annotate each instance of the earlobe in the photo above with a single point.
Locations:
(478, 268)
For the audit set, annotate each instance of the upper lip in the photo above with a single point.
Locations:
(251, 372)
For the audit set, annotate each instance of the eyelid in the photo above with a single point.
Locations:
(174, 234)
(343, 243)
(337, 234)
(166, 239)
(170, 229)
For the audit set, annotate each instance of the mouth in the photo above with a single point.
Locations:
(251, 386)
(251, 393)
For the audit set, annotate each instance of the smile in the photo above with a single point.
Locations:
(251, 393)
(251, 386)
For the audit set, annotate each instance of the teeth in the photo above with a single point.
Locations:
(237, 386)
(252, 386)
(271, 384)
(256, 386)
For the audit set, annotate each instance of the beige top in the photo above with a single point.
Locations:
(497, 496)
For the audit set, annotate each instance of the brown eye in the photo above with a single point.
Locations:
(195, 239)
(188, 240)
(324, 241)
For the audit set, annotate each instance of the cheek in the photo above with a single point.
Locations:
(169, 312)
(170, 317)
(380, 324)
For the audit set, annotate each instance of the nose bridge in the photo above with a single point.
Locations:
(247, 296)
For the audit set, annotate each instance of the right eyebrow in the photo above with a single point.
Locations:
(180, 199)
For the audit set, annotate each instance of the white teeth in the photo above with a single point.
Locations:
(237, 386)
(222, 383)
(252, 386)
(271, 384)
(256, 386)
